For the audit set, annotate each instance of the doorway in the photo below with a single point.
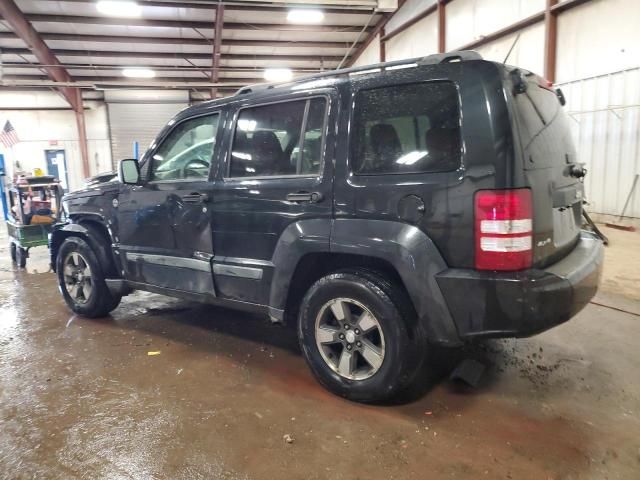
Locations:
(57, 166)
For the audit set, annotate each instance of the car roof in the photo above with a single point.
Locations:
(330, 78)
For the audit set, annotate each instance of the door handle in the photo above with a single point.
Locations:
(195, 198)
(304, 197)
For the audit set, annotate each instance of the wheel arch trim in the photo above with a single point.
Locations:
(415, 258)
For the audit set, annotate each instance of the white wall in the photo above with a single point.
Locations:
(370, 55)
(601, 36)
(470, 20)
(527, 53)
(38, 130)
(419, 40)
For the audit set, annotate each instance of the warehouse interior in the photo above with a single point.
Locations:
(168, 388)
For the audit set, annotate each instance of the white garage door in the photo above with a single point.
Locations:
(132, 120)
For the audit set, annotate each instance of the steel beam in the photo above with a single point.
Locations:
(234, 6)
(204, 42)
(550, 41)
(96, 67)
(25, 31)
(141, 22)
(442, 26)
(54, 69)
(217, 44)
(89, 81)
(63, 52)
(82, 134)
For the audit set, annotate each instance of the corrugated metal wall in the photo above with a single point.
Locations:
(138, 116)
(606, 128)
(137, 122)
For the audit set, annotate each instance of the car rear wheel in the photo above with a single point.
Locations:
(81, 280)
(355, 337)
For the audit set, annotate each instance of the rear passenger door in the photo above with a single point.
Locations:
(278, 171)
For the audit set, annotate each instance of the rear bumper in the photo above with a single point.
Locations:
(520, 304)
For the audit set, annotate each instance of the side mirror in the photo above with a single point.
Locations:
(129, 171)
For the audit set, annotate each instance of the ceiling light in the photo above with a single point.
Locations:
(138, 73)
(278, 74)
(119, 8)
(305, 15)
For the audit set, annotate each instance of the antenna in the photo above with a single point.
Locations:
(511, 49)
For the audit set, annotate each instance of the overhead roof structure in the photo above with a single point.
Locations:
(203, 46)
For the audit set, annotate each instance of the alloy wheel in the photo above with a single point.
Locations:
(77, 278)
(350, 339)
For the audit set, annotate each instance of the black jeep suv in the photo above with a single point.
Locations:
(379, 209)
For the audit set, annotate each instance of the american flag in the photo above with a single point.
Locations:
(8, 136)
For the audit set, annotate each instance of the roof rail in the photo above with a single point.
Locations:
(256, 87)
(449, 57)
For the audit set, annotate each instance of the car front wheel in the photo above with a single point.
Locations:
(355, 337)
(81, 280)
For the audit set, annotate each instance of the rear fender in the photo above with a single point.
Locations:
(416, 259)
(298, 239)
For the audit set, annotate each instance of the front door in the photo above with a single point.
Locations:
(278, 172)
(164, 224)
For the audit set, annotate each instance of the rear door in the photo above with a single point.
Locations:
(549, 157)
(278, 171)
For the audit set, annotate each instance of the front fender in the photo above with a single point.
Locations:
(59, 232)
(101, 247)
(416, 259)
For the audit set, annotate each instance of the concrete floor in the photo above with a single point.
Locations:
(83, 399)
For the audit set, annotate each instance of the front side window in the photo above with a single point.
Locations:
(186, 153)
(279, 139)
(407, 129)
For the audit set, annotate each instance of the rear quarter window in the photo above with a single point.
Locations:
(545, 133)
(411, 128)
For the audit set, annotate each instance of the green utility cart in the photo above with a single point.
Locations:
(35, 206)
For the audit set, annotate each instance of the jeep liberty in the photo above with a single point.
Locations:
(379, 209)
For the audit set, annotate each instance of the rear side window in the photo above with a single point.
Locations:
(280, 139)
(407, 129)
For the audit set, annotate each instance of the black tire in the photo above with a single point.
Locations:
(13, 250)
(21, 257)
(404, 350)
(100, 300)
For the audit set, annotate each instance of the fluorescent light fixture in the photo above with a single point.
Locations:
(278, 74)
(138, 73)
(119, 8)
(305, 15)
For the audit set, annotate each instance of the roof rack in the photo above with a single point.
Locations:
(449, 57)
(256, 87)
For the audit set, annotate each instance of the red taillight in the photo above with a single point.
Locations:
(503, 223)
